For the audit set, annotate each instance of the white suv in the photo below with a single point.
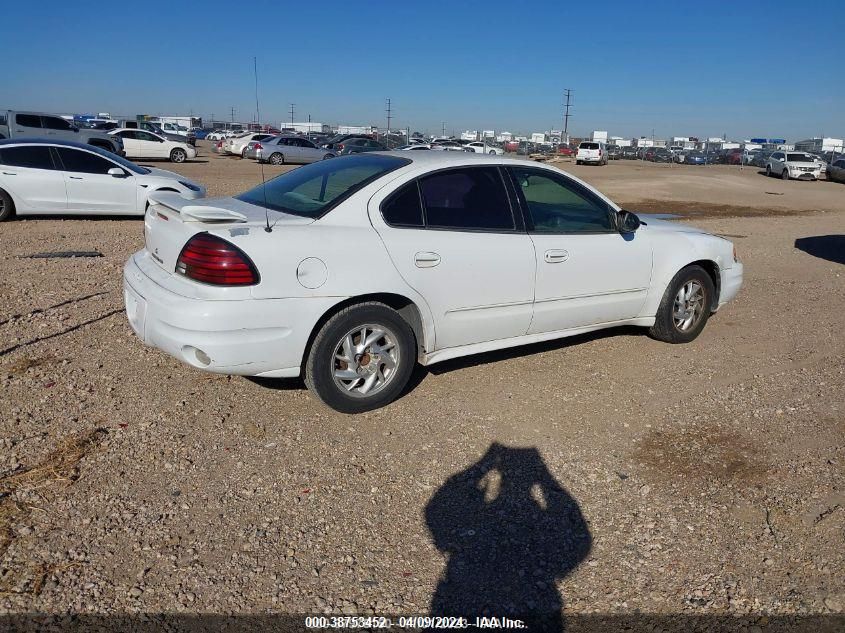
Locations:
(793, 165)
(591, 152)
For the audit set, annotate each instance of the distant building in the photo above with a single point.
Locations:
(355, 129)
(469, 135)
(305, 127)
(503, 137)
(820, 145)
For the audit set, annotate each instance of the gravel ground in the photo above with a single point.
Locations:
(608, 473)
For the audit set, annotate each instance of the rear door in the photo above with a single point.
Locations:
(32, 177)
(130, 143)
(586, 271)
(455, 239)
(309, 152)
(91, 189)
(26, 125)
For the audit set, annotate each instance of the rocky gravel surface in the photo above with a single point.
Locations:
(608, 473)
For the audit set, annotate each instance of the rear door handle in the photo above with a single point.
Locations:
(9, 173)
(426, 260)
(555, 256)
(75, 178)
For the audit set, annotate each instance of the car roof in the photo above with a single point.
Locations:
(457, 159)
(42, 141)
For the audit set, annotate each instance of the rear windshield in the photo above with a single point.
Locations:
(312, 190)
(589, 146)
(799, 158)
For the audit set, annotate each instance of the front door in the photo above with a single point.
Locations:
(587, 272)
(454, 238)
(91, 189)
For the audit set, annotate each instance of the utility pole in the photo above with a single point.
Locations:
(567, 93)
(389, 113)
(443, 133)
(233, 113)
(291, 113)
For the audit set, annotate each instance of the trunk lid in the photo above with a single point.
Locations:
(172, 220)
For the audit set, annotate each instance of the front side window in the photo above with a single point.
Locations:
(146, 136)
(471, 198)
(557, 206)
(28, 120)
(55, 123)
(32, 156)
(314, 189)
(76, 160)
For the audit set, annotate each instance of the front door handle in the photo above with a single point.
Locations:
(10, 173)
(426, 260)
(555, 256)
(75, 178)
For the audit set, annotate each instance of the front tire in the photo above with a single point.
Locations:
(328, 156)
(178, 156)
(361, 359)
(577, 162)
(7, 206)
(276, 159)
(685, 306)
(784, 175)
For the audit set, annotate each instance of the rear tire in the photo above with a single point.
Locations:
(685, 306)
(178, 155)
(7, 206)
(577, 162)
(276, 158)
(349, 344)
(768, 170)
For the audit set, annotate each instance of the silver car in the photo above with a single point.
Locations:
(289, 149)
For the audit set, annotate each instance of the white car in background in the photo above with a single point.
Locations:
(62, 177)
(797, 165)
(594, 152)
(353, 270)
(237, 144)
(480, 147)
(143, 144)
(216, 135)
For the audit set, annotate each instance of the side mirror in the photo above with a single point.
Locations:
(627, 222)
(116, 172)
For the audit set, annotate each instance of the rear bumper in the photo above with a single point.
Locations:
(248, 337)
(731, 283)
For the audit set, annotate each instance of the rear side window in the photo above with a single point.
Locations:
(470, 198)
(32, 156)
(28, 120)
(403, 208)
(83, 162)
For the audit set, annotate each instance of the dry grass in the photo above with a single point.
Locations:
(58, 470)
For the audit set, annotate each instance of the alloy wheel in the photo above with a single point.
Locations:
(689, 306)
(365, 360)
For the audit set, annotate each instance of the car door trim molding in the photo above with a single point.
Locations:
(591, 294)
(509, 304)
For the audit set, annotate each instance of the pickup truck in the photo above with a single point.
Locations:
(52, 127)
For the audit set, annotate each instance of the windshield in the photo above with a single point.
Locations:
(119, 160)
(313, 190)
(799, 158)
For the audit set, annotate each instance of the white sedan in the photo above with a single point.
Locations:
(237, 144)
(143, 144)
(63, 177)
(451, 254)
(480, 147)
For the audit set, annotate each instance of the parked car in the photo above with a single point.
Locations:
(511, 146)
(614, 152)
(629, 153)
(279, 150)
(734, 156)
(796, 165)
(337, 139)
(836, 170)
(27, 125)
(358, 145)
(151, 126)
(199, 133)
(457, 262)
(660, 155)
(480, 147)
(565, 150)
(594, 152)
(236, 145)
(216, 135)
(695, 158)
(63, 177)
(448, 145)
(415, 146)
(142, 144)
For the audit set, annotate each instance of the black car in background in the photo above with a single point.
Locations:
(614, 152)
(358, 145)
(629, 153)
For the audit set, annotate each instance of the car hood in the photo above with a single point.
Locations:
(653, 224)
(155, 172)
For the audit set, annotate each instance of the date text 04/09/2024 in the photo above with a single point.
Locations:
(413, 622)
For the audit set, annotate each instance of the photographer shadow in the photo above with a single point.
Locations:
(510, 532)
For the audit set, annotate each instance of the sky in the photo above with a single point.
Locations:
(742, 69)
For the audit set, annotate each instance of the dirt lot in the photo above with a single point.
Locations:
(607, 473)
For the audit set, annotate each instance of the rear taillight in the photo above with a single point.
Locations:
(258, 146)
(340, 147)
(212, 260)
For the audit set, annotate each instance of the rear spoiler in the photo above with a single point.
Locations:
(190, 211)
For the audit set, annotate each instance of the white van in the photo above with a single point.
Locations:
(591, 152)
